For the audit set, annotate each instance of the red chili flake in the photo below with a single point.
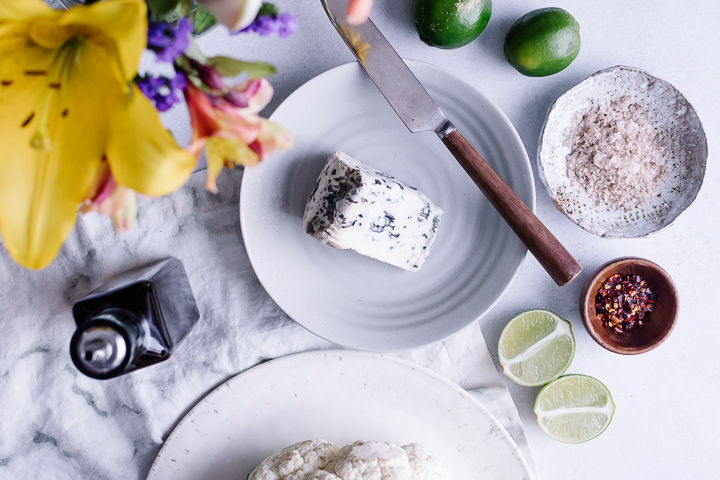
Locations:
(623, 303)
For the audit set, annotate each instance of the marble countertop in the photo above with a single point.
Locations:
(664, 425)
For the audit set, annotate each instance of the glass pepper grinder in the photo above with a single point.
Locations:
(134, 321)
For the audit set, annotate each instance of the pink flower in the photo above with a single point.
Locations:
(230, 129)
(108, 198)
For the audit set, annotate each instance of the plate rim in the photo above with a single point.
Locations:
(304, 356)
(526, 166)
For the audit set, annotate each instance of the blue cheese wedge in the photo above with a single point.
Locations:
(357, 207)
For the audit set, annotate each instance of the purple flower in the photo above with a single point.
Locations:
(163, 92)
(284, 24)
(178, 82)
(263, 25)
(287, 24)
(168, 40)
(149, 85)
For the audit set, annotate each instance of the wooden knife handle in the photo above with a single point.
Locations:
(554, 258)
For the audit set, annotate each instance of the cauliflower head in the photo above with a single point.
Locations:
(362, 460)
(301, 461)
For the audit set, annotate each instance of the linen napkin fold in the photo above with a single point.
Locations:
(56, 423)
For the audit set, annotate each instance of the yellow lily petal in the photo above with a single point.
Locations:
(19, 10)
(64, 112)
(143, 156)
(53, 141)
(46, 33)
(121, 25)
(124, 22)
(221, 151)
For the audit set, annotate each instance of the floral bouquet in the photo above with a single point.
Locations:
(79, 127)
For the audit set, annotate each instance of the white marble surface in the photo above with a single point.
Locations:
(57, 424)
(665, 425)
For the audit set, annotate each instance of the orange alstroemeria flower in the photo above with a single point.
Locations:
(232, 135)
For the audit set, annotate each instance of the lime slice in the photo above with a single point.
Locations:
(574, 408)
(536, 347)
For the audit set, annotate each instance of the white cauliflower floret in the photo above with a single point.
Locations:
(297, 462)
(373, 461)
(424, 465)
(323, 475)
(362, 460)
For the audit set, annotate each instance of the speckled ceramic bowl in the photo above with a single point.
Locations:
(680, 132)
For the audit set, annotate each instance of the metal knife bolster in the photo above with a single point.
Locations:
(445, 129)
(396, 82)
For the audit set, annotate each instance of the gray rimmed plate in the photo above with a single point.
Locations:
(356, 301)
(680, 132)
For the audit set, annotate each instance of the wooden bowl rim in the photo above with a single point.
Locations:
(586, 302)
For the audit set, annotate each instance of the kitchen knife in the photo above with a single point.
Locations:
(420, 113)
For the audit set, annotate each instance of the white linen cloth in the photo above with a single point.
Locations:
(55, 423)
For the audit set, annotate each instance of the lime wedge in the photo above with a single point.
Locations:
(536, 347)
(574, 408)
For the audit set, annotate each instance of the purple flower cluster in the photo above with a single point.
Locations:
(284, 24)
(168, 40)
(164, 92)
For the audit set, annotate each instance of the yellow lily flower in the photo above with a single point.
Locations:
(67, 108)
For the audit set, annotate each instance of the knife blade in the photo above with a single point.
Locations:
(403, 91)
(416, 108)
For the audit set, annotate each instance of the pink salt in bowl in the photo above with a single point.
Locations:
(622, 153)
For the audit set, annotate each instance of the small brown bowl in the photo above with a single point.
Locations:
(659, 323)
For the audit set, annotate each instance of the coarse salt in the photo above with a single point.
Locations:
(616, 155)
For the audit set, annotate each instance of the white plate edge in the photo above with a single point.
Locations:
(304, 356)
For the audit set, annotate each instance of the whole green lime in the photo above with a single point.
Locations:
(450, 23)
(543, 42)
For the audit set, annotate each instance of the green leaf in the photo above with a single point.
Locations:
(187, 9)
(230, 67)
(203, 20)
(161, 8)
(193, 51)
(268, 10)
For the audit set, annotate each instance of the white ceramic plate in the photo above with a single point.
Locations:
(341, 397)
(356, 301)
